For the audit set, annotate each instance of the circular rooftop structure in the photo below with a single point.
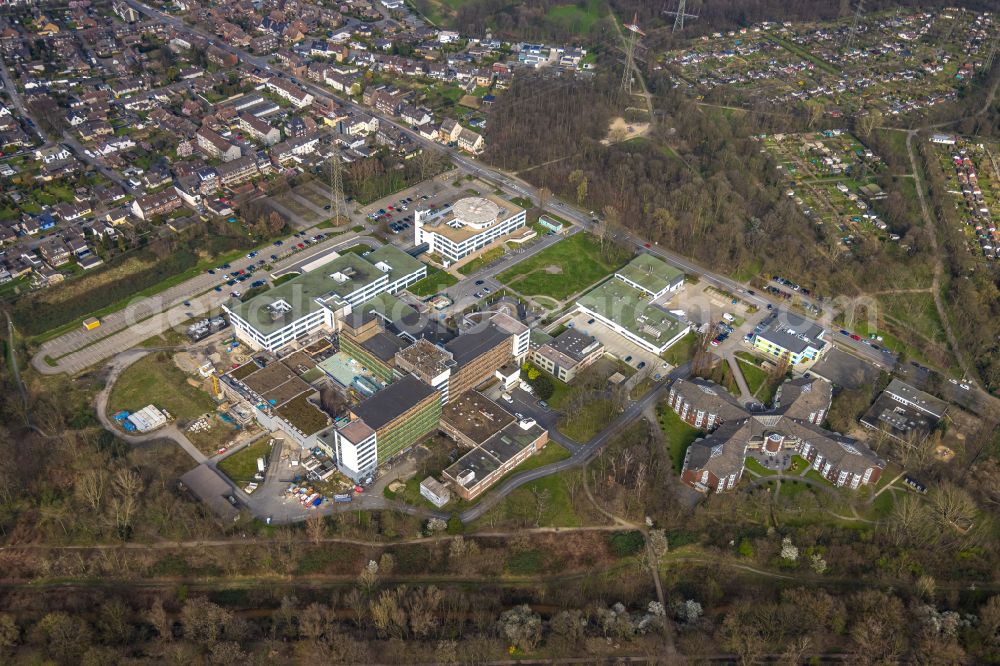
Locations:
(477, 212)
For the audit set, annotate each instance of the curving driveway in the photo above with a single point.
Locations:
(118, 365)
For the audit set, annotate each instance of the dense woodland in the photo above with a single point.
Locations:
(898, 592)
(701, 185)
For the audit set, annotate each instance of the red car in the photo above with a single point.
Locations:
(646, 245)
(301, 245)
(359, 489)
(855, 337)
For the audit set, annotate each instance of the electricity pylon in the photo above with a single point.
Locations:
(336, 187)
(859, 10)
(630, 42)
(680, 15)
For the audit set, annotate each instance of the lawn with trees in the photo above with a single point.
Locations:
(564, 268)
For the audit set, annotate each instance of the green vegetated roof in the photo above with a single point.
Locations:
(628, 307)
(652, 273)
(301, 294)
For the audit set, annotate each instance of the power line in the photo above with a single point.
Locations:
(859, 10)
(992, 56)
(680, 14)
(630, 41)
(336, 187)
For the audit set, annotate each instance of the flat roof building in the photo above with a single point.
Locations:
(468, 226)
(787, 335)
(568, 354)
(904, 412)
(480, 468)
(626, 310)
(435, 491)
(651, 275)
(472, 418)
(383, 426)
(321, 297)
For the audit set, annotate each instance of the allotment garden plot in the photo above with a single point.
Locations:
(972, 171)
(895, 63)
(831, 176)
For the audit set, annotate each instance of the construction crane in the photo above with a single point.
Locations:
(215, 386)
(630, 41)
(680, 14)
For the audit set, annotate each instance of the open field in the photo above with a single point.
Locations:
(560, 270)
(436, 281)
(578, 18)
(155, 380)
(242, 465)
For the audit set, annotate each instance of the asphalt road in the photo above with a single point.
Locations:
(517, 187)
(146, 317)
(462, 292)
(580, 453)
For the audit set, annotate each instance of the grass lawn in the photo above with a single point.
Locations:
(682, 350)
(792, 489)
(588, 421)
(883, 504)
(242, 465)
(816, 476)
(679, 435)
(155, 380)
(560, 270)
(551, 494)
(482, 260)
(436, 281)
(360, 248)
(754, 466)
(287, 277)
(755, 375)
(798, 464)
(552, 453)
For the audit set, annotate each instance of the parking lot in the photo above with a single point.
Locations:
(616, 345)
(393, 215)
(845, 370)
